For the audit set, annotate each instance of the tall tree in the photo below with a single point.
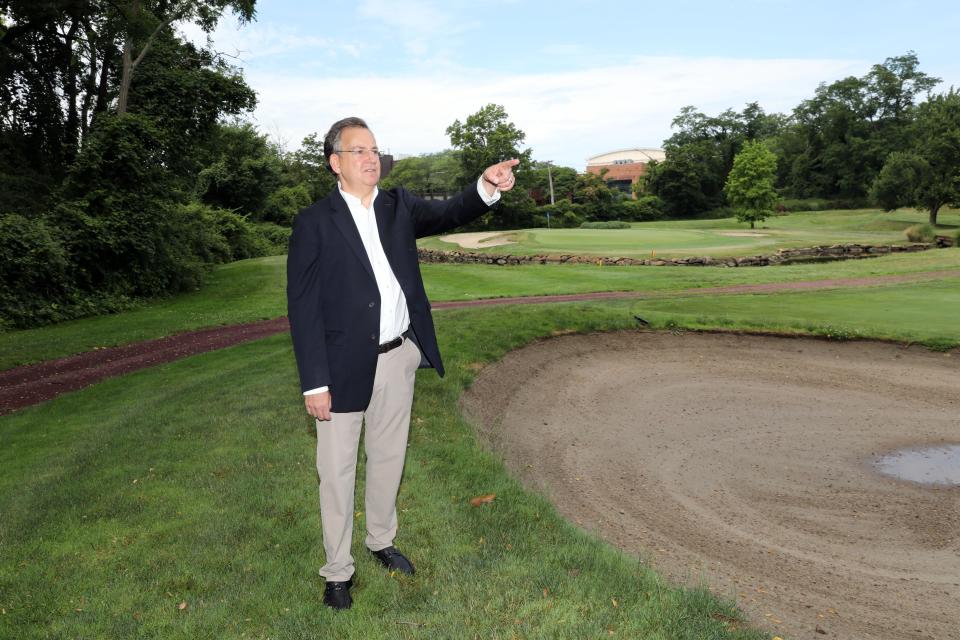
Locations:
(700, 155)
(143, 21)
(849, 127)
(485, 138)
(750, 186)
(927, 175)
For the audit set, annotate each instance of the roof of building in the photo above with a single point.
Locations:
(636, 154)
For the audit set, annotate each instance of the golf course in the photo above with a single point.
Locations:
(180, 500)
(716, 238)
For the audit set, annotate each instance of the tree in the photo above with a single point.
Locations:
(427, 175)
(689, 181)
(750, 185)
(307, 166)
(700, 155)
(927, 176)
(144, 21)
(483, 139)
(838, 140)
(242, 171)
(564, 182)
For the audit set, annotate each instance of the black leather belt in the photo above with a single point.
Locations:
(390, 346)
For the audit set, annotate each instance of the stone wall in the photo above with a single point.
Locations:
(782, 256)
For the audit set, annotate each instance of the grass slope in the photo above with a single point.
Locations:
(180, 502)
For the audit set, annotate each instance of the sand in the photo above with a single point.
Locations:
(477, 240)
(744, 463)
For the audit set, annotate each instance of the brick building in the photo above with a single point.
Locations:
(624, 167)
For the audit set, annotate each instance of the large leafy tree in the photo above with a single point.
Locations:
(750, 186)
(927, 174)
(485, 138)
(65, 62)
(839, 139)
(700, 155)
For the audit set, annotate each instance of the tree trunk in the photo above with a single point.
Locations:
(89, 87)
(126, 76)
(934, 209)
(103, 89)
(71, 89)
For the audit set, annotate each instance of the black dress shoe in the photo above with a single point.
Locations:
(394, 560)
(336, 595)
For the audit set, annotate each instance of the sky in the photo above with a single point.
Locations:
(578, 77)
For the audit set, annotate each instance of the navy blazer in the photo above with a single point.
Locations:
(333, 302)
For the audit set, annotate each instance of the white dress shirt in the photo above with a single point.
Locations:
(394, 315)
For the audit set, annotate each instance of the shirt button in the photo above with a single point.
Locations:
(373, 336)
(372, 305)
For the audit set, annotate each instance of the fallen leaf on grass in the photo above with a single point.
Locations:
(479, 500)
(182, 606)
(614, 602)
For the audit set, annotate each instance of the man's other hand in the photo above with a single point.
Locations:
(500, 176)
(318, 405)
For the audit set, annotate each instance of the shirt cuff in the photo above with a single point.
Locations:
(487, 200)
(311, 392)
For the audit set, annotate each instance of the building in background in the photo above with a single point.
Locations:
(624, 167)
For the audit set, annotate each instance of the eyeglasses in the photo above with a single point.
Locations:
(361, 152)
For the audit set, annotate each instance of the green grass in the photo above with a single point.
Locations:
(193, 482)
(241, 291)
(924, 313)
(254, 289)
(673, 239)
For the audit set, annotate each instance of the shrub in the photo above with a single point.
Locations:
(563, 214)
(645, 208)
(793, 205)
(920, 233)
(284, 203)
(607, 224)
(275, 237)
(240, 237)
(34, 270)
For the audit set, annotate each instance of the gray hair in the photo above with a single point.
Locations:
(332, 140)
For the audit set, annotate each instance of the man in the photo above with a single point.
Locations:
(361, 326)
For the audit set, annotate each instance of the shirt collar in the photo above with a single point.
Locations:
(353, 200)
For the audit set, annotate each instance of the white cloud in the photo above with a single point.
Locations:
(567, 116)
(255, 41)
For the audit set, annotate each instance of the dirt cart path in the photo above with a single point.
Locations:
(27, 385)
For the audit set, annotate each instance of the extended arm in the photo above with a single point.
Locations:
(431, 217)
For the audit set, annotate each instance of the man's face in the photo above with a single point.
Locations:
(359, 172)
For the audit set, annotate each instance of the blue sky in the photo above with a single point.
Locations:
(580, 77)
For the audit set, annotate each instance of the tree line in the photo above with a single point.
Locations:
(127, 170)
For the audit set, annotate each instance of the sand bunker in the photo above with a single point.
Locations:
(744, 463)
(478, 240)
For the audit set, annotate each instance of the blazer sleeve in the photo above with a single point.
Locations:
(431, 217)
(304, 304)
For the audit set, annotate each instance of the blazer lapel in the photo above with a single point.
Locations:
(344, 222)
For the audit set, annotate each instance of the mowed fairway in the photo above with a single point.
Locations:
(716, 238)
(180, 501)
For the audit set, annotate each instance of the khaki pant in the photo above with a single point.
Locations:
(387, 423)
